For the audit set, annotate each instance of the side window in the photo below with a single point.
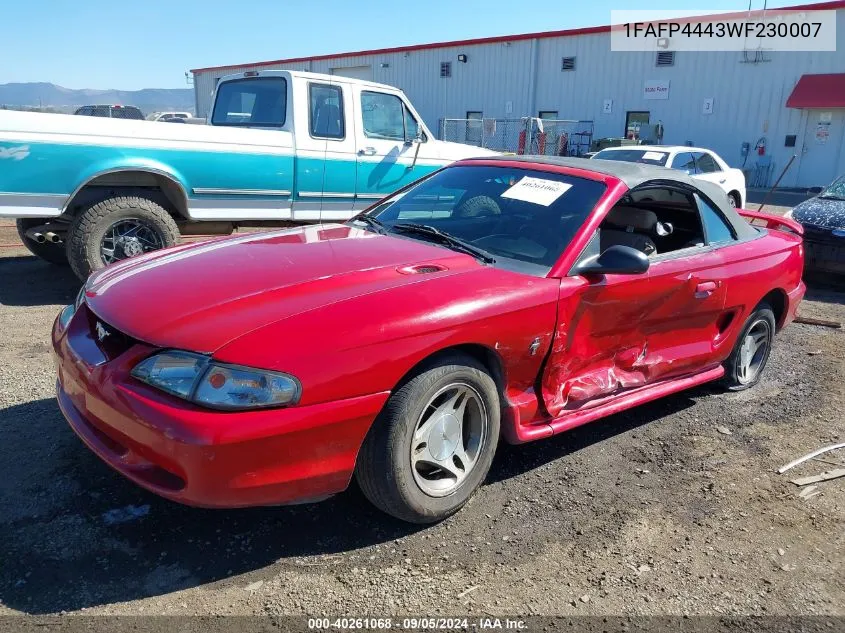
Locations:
(383, 116)
(325, 112)
(705, 163)
(716, 229)
(685, 162)
(412, 128)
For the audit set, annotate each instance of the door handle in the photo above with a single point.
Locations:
(722, 181)
(367, 151)
(705, 288)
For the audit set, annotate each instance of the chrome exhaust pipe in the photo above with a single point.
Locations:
(38, 237)
(55, 238)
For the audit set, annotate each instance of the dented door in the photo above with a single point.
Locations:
(600, 340)
(685, 326)
(627, 331)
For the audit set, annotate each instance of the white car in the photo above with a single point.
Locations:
(169, 116)
(695, 161)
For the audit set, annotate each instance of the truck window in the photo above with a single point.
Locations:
(253, 102)
(126, 112)
(412, 128)
(325, 113)
(383, 115)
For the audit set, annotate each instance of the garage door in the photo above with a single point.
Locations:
(355, 72)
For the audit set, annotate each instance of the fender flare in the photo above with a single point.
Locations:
(155, 168)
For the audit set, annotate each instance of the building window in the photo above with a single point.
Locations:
(567, 63)
(326, 111)
(633, 122)
(665, 58)
(548, 115)
(445, 69)
(473, 131)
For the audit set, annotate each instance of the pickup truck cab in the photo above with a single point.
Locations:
(280, 146)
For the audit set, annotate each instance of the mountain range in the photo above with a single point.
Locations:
(48, 96)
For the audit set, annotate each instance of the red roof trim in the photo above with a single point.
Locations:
(818, 91)
(819, 6)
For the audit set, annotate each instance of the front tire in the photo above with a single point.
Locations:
(432, 445)
(733, 200)
(115, 229)
(750, 354)
(48, 251)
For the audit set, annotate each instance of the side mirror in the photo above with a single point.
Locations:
(416, 139)
(616, 260)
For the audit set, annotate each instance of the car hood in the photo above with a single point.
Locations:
(821, 213)
(202, 296)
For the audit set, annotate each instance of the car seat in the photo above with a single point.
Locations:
(629, 226)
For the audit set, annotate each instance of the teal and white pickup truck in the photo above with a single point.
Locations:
(279, 146)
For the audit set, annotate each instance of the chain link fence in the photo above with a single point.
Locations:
(547, 137)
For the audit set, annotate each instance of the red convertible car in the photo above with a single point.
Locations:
(503, 297)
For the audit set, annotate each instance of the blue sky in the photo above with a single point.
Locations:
(128, 45)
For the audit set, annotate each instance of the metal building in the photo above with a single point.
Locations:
(787, 103)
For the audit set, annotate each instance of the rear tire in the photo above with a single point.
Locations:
(88, 230)
(397, 465)
(750, 354)
(48, 251)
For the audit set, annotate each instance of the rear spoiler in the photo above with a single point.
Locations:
(771, 222)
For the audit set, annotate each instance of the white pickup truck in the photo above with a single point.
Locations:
(279, 146)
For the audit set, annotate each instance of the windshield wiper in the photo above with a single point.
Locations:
(455, 243)
(830, 196)
(372, 222)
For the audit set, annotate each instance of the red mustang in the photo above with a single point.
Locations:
(506, 297)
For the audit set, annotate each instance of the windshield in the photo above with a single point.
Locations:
(255, 102)
(836, 190)
(524, 218)
(649, 157)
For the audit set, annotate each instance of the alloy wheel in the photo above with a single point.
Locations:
(754, 351)
(128, 238)
(448, 439)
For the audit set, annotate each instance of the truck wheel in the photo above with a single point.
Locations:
(115, 229)
(432, 445)
(48, 251)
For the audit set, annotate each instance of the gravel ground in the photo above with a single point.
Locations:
(671, 508)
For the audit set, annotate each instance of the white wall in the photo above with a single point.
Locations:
(749, 98)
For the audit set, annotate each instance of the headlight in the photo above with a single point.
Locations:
(80, 298)
(197, 378)
(69, 310)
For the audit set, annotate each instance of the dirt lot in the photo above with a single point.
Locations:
(655, 511)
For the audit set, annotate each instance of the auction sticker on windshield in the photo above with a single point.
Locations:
(537, 190)
(653, 156)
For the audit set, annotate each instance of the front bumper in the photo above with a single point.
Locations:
(197, 456)
(823, 251)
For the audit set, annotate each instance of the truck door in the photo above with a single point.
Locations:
(388, 156)
(326, 164)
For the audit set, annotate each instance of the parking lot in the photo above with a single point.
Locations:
(671, 508)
